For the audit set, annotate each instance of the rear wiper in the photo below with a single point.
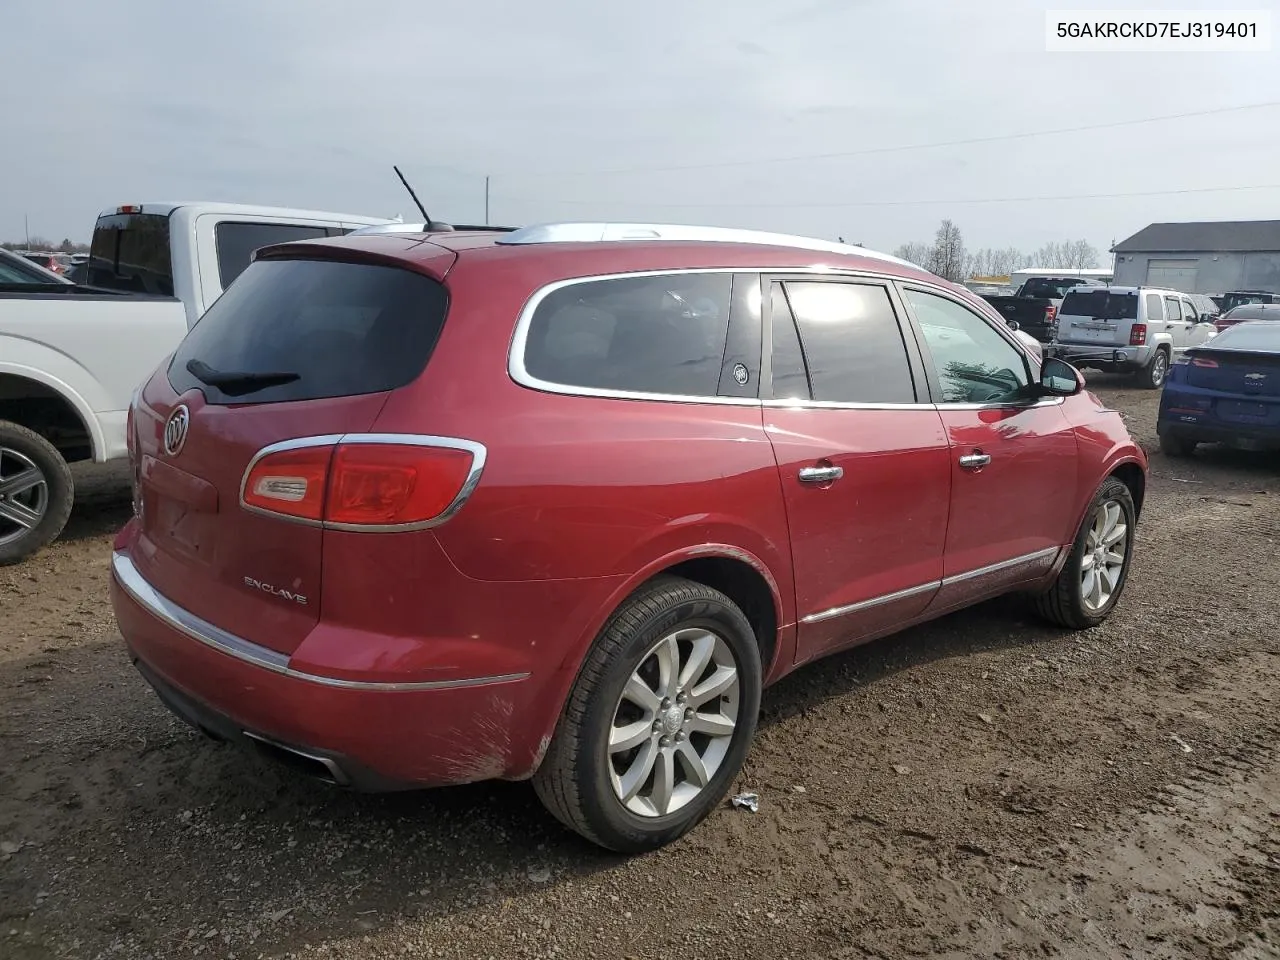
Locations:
(236, 383)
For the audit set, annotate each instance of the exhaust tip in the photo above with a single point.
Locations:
(309, 764)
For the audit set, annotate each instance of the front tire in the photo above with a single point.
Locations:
(36, 492)
(1089, 585)
(659, 721)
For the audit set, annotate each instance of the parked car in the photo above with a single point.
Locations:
(558, 503)
(47, 261)
(1247, 311)
(1138, 330)
(1227, 391)
(17, 270)
(1229, 301)
(1034, 308)
(72, 356)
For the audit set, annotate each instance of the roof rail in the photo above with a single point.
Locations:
(593, 232)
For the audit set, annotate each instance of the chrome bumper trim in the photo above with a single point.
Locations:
(202, 631)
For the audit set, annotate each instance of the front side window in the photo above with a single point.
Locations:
(973, 363)
(657, 335)
(852, 342)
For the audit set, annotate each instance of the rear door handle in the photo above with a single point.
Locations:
(975, 461)
(820, 474)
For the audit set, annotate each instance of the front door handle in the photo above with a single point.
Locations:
(975, 461)
(820, 474)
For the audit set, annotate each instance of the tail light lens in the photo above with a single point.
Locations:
(1050, 315)
(363, 484)
(1138, 335)
(1204, 362)
(135, 462)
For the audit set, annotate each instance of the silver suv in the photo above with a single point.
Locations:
(1128, 329)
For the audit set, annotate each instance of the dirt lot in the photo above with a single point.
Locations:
(983, 786)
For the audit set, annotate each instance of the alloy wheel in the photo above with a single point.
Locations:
(24, 495)
(674, 722)
(1106, 550)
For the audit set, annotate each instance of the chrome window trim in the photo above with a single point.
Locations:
(834, 612)
(519, 373)
(214, 637)
(479, 455)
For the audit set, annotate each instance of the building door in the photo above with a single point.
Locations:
(1177, 275)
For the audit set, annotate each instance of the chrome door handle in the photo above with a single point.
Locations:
(975, 461)
(820, 474)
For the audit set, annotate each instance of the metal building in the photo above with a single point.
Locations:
(1212, 257)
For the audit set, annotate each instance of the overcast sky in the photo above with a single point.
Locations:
(571, 104)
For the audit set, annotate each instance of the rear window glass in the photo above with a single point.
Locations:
(1049, 288)
(1248, 336)
(131, 252)
(662, 335)
(1253, 311)
(327, 329)
(236, 243)
(1100, 305)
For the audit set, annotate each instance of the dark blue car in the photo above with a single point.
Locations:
(1224, 391)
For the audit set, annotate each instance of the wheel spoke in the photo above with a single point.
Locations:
(694, 768)
(712, 724)
(1095, 594)
(1116, 535)
(630, 782)
(630, 736)
(664, 781)
(1113, 558)
(718, 683)
(668, 654)
(1110, 577)
(20, 482)
(639, 693)
(703, 647)
(1086, 562)
(16, 513)
(1087, 583)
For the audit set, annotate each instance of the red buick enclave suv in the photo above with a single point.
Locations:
(418, 509)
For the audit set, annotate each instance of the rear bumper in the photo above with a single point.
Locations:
(1218, 432)
(369, 735)
(1099, 355)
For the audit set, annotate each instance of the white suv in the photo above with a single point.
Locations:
(1134, 329)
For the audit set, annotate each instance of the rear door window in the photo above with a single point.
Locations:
(130, 251)
(307, 329)
(236, 243)
(661, 335)
(852, 342)
(1174, 312)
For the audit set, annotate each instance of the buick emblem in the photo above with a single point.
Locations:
(175, 430)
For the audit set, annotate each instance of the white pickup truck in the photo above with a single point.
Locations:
(72, 356)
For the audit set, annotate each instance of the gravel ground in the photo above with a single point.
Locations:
(982, 786)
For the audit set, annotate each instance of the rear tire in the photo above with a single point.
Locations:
(1152, 376)
(36, 492)
(607, 739)
(1172, 445)
(1077, 601)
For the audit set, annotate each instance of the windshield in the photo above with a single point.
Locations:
(130, 252)
(1100, 305)
(1249, 336)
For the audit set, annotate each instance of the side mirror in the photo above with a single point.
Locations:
(1059, 378)
(1014, 325)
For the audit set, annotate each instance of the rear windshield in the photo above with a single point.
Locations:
(307, 329)
(1050, 288)
(1100, 305)
(1254, 311)
(1248, 336)
(130, 252)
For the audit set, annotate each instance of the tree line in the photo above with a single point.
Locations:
(43, 244)
(947, 257)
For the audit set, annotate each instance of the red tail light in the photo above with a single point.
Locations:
(1050, 314)
(364, 483)
(1137, 334)
(1202, 362)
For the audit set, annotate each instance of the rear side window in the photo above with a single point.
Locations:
(1172, 310)
(130, 252)
(852, 342)
(307, 329)
(1154, 310)
(660, 335)
(236, 243)
(1101, 305)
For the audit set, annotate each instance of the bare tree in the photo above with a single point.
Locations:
(914, 252)
(947, 258)
(1004, 262)
(1081, 255)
